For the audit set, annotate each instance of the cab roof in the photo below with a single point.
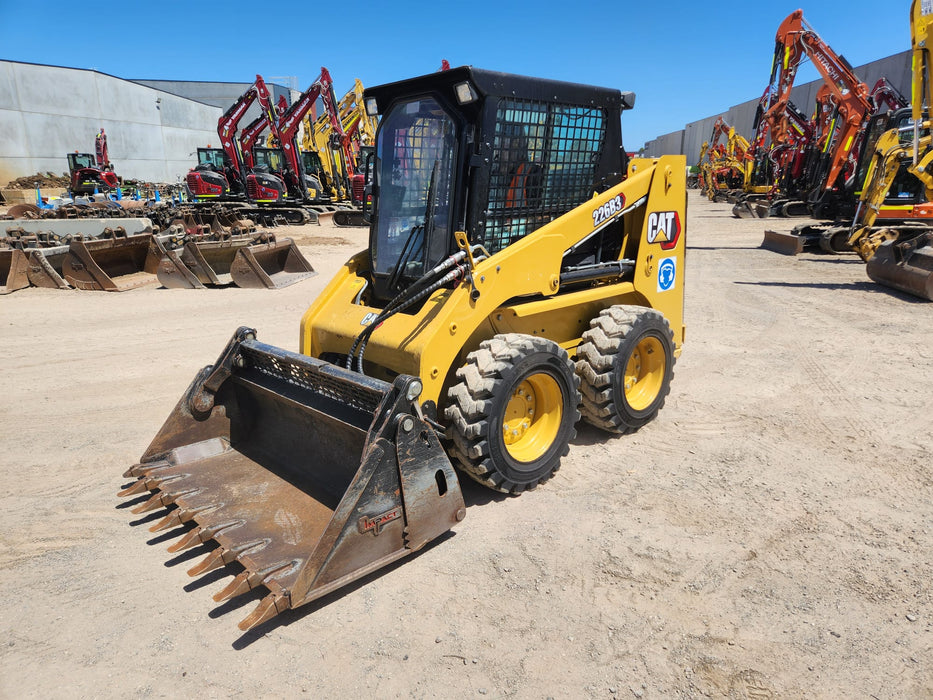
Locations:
(495, 84)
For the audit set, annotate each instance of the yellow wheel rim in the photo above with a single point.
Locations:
(532, 417)
(644, 373)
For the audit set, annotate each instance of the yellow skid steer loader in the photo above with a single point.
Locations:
(520, 272)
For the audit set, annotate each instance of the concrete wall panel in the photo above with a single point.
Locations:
(58, 91)
(12, 134)
(127, 102)
(151, 135)
(8, 97)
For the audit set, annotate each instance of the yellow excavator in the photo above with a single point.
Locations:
(327, 142)
(521, 272)
(896, 241)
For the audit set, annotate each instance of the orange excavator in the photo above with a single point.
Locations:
(830, 174)
(777, 167)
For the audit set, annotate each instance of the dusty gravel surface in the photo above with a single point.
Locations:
(769, 535)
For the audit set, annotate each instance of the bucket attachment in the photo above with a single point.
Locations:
(783, 243)
(748, 210)
(45, 267)
(113, 265)
(309, 475)
(270, 266)
(13, 267)
(201, 263)
(241, 259)
(905, 265)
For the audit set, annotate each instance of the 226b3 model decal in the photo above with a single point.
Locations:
(608, 210)
(664, 228)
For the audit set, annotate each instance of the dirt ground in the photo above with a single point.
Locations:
(769, 535)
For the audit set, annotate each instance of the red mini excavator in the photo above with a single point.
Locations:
(237, 179)
(87, 177)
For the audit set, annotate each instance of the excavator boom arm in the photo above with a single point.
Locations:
(794, 40)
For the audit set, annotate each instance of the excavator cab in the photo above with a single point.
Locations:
(212, 158)
(77, 161)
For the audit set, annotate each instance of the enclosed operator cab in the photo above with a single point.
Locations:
(492, 154)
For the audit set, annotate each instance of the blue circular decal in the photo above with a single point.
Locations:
(667, 273)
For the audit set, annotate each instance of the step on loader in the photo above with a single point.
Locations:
(521, 274)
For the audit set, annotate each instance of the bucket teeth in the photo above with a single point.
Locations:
(144, 469)
(137, 488)
(268, 608)
(158, 500)
(240, 584)
(246, 580)
(191, 538)
(214, 560)
(173, 519)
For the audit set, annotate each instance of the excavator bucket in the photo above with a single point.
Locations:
(113, 265)
(270, 266)
(905, 265)
(45, 267)
(784, 243)
(308, 475)
(13, 266)
(198, 264)
(747, 210)
(239, 259)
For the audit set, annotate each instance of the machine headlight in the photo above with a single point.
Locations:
(465, 92)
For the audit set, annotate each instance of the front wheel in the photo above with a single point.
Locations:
(626, 363)
(511, 416)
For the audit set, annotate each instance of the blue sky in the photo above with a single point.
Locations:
(684, 60)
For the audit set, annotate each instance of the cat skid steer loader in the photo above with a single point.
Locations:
(520, 272)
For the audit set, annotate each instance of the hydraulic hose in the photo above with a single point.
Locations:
(405, 298)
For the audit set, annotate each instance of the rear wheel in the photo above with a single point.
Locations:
(511, 416)
(625, 363)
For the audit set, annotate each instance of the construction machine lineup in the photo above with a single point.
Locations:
(860, 162)
(207, 234)
(522, 273)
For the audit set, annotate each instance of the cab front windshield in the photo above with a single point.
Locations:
(415, 156)
(272, 158)
(211, 156)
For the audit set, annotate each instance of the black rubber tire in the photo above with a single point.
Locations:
(602, 359)
(478, 404)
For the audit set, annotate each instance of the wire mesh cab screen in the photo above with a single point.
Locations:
(545, 157)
